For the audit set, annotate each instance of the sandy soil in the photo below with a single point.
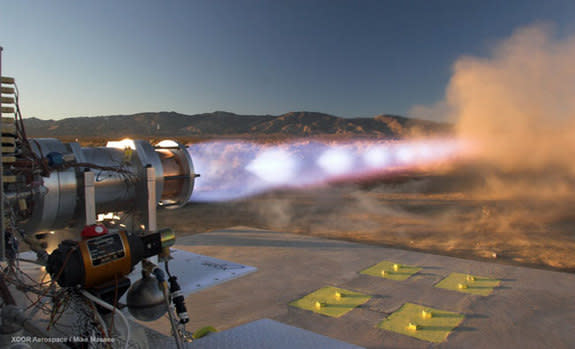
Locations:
(533, 232)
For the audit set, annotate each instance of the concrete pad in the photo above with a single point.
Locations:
(265, 334)
(259, 334)
(530, 308)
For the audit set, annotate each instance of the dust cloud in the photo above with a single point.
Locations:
(517, 108)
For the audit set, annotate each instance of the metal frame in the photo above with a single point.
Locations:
(2, 232)
(89, 198)
(152, 202)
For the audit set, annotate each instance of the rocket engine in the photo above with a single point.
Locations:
(89, 213)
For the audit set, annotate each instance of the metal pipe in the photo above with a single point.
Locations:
(89, 198)
(171, 315)
(152, 201)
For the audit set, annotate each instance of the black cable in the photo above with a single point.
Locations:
(178, 300)
(167, 269)
(21, 133)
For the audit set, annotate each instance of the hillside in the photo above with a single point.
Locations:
(172, 124)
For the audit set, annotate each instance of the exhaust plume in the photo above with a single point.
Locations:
(238, 169)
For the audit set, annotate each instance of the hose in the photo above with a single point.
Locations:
(111, 308)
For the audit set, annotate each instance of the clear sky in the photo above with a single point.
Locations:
(347, 58)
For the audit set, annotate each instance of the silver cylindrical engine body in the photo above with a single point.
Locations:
(120, 180)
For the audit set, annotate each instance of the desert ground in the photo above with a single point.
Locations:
(438, 214)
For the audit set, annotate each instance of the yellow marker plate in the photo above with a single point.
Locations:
(408, 320)
(329, 303)
(402, 272)
(469, 284)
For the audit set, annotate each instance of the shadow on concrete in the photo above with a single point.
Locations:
(345, 295)
(476, 316)
(445, 316)
(426, 274)
(447, 328)
(435, 328)
(481, 287)
(347, 306)
(379, 296)
(464, 329)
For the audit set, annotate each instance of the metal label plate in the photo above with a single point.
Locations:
(105, 249)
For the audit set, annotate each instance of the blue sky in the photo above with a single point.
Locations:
(346, 58)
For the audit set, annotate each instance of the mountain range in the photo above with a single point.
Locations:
(225, 124)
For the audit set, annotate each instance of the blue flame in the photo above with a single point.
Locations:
(237, 169)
